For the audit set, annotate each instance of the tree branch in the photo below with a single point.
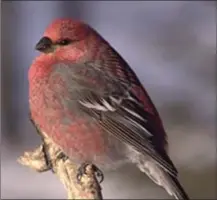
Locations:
(88, 188)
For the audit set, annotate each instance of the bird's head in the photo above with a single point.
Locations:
(65, 38)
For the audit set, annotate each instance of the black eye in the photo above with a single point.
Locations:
(64, 42)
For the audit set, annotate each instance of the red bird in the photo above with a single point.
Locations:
(87, 99)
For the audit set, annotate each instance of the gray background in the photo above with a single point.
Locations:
(170, 45)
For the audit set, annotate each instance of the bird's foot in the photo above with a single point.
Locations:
(48, 161)
(82, 170)
(62, 156)
(47, 157)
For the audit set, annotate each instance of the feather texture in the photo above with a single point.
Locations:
(85, 97)
(115, 108)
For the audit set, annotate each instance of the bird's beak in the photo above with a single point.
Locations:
(44, 45)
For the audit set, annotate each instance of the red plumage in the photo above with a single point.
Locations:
(87, 99)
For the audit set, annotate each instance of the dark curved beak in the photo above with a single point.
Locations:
(44, 44)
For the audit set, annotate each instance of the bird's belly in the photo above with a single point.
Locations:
(82, 139)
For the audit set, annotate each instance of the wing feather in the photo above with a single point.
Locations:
(129, 126)
(116, 107)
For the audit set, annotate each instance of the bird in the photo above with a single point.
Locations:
(86, 98)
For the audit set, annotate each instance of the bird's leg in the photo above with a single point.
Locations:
(82, 171)
(48, 161)
(46, 156)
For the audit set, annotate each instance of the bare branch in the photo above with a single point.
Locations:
(88, 188)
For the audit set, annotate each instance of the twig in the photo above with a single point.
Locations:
(88, 188)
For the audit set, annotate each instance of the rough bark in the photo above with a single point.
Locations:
(66, 171)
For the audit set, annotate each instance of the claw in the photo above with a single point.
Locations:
(99, 174)
(82, 171)
(62, 156)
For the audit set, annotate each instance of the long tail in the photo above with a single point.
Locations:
(164, 179)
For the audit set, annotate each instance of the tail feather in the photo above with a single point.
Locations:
(175, 187)
(163, 178)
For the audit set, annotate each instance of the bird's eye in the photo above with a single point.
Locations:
(64, 42)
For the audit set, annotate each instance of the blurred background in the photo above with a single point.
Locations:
(170, 45)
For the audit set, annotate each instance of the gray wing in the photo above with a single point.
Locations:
(112, 104)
